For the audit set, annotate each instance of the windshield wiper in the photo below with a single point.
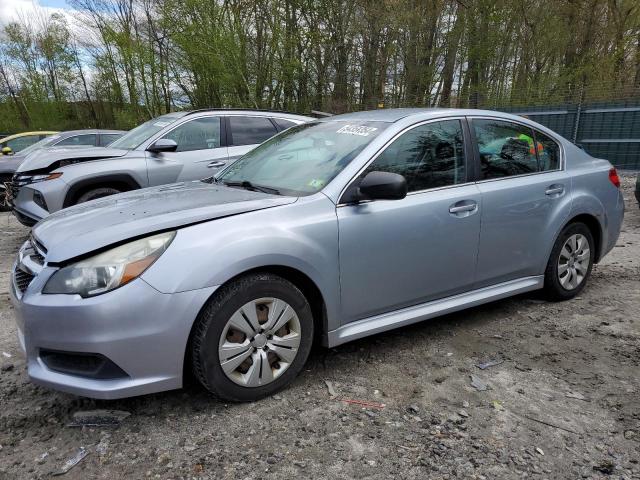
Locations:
(247, 185)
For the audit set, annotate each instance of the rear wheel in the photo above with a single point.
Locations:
(97, 193)
(252, 339)
(570, 262)
(4, 207)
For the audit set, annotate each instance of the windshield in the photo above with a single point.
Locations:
(302, 159)
(38, 145)
(133, 138)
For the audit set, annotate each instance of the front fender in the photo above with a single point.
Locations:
(302, 236)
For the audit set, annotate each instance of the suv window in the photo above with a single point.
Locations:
(198, 134)
(89, 139)
(283, 124)
(548, 152)
(107, 138)
(506, 148)
(250, 130)
(428, 156)
(20, 143)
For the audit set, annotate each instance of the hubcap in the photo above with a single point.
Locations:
(573, 263)
(259, 342)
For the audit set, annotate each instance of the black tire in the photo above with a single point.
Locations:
(3, 206)
(553, 288)
(212, 320)
(96, 193)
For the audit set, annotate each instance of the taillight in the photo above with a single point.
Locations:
(614, 178)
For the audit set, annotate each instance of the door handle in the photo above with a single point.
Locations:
(554, 190)
(463, 207)
(216, 164)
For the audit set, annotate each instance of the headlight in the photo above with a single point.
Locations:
(42, 178)
(111, 269)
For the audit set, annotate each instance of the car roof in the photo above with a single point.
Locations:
(395, 114)
(86, 131)
(27, 134)
(248, 111)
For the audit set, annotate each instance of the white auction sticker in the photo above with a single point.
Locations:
(357, 130)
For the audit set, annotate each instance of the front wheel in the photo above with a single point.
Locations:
(252, 339)
(97, 193)
(570, 262)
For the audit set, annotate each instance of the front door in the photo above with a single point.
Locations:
(199, 153)
(398, 253)
(524, 192)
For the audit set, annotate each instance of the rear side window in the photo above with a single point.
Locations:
(80, 140)
(548, 152)
(506, 149)
(428, 156)
(107, 138)
(199, 134)
(283, 124)
(250, 130)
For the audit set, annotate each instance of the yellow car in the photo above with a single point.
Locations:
(19, 141)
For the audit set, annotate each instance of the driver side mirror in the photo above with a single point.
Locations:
(382, 186)
(163, 145)
(7, 150)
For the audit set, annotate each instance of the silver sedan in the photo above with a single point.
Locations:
(332, 230)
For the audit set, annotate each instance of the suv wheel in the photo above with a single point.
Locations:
(252, 339)
(97, 193)
(570, 262)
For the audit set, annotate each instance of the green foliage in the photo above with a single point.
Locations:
(129, 60)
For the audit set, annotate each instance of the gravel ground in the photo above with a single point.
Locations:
(564, 403)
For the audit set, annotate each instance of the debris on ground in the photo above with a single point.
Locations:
(6, 355)
(478, 384)
(72, 462)
(540, 451)
(576, 395)
(363, 403)
(606, 467)
(463, 413)
(490, 363)
(497, 405)
(98, 418)
(332, 391)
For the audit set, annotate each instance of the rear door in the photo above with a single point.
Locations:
(201, 152)
(399, 253)
(524, 195)
(244, 133)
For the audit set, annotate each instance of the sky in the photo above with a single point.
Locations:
(10, 9)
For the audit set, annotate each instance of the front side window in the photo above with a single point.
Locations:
(250, 130)
(427, 156)
(136, 137)
(78, 140)
(304, 158)
(199, 134)
(506, 149)
(283, 124)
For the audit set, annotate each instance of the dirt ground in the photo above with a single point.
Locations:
(563, 404)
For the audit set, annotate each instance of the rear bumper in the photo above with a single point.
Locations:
(140, 330)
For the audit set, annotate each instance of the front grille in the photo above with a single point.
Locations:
(22, 279)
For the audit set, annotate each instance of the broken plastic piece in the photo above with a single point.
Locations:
(490, 363)
(72, 462)
(98, 418)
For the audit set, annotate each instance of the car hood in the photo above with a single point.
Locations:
(50, 158)
(83, 228)
(10, 163)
